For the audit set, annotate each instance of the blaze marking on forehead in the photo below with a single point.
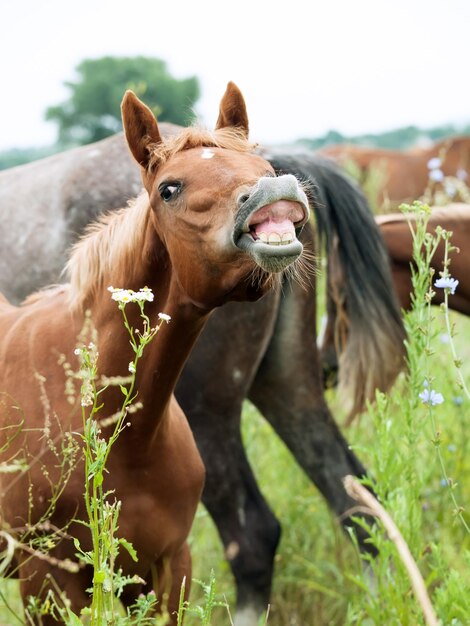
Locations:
(207, 153)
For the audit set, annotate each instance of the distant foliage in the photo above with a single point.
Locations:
(93, 110)
(398, 139)
(20, 156)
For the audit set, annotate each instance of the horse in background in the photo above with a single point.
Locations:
(265, 351)
(391, 177)
(395, 230)
(397, 236)
(194, 238)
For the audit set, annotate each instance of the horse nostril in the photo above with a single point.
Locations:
(242, 199)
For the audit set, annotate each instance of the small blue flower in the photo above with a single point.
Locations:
(434, 163)
(447, 282)
(436, 176)
(431, 397)
(462, 174)
(452, 448)
(457, 400)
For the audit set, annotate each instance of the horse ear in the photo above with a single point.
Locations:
(140, 127)
(232, 111)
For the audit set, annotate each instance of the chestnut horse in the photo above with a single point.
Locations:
(395, 230)
(397, 236)
(195, 237)
(404, 175)
(265, 351)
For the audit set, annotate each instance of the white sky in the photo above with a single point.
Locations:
(304, 66)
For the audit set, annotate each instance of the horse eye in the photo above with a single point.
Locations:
(168, 191)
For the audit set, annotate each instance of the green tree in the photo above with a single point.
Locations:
(93, 110)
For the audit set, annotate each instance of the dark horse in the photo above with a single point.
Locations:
(266, 351)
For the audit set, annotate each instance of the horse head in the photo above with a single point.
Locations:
(215, 205)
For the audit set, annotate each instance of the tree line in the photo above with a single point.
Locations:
(397, 139)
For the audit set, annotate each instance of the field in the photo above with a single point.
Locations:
(419, 459)
(318, 577)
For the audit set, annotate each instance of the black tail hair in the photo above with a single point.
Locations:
(374, 350)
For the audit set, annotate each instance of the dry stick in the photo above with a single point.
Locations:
(362, 495)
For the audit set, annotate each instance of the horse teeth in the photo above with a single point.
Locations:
(274, 239)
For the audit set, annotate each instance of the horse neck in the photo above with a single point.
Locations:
(163, 359)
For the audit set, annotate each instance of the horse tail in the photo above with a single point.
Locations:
(369, 332)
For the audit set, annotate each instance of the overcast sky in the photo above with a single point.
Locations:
(304, 66)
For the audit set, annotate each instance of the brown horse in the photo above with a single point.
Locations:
(397, 236)
(405, 175)
(395, 230)
(265, 351)
(196, 238)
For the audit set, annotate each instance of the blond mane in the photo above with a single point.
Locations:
(107, 254)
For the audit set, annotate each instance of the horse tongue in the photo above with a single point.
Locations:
(274, 223)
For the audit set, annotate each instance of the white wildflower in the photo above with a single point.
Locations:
(129, 295)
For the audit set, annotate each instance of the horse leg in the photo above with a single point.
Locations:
(180, 572)
(211, 391)
(248, 528)
(291, 370)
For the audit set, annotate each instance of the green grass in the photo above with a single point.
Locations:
(318, 573)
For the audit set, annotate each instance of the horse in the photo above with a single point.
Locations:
(241, 348)
(396, 233)
(406, 175)
(397, 236)
(194, 237)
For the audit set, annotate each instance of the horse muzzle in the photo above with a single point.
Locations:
(269, 220)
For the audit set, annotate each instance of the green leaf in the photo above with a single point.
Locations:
(73, 620)
(130, 548)
(98, 479)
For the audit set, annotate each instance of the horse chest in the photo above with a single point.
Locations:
(158, 503)
(155, 521)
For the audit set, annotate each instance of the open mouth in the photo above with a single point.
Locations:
(276, 223)
(268, 222)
